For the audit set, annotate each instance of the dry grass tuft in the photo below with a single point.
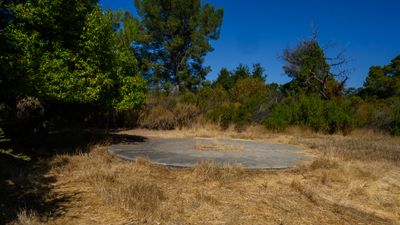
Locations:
(306, 192)
(210, 171)
(323, 163)
(143, 161)
(27, 218)
(139, 196)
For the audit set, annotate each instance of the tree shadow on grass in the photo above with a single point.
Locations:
(28, 185)
(23, 186)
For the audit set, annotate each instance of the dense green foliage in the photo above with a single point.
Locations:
(69, 52)
(66, 54)
(312, 112)
(174, 39)
(310, 72)
(384, 82)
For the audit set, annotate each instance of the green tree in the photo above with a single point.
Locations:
(224, 79)
(250, 94)
(74, 53)
(10, 77)
(259, 72)
(240, 72)
(175, 37)
(311, 72)
(384, 82)
(227, 79)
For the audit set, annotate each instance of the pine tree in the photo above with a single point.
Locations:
(175, 37)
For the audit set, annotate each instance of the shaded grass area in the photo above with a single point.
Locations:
(334, 188)
(26, 187)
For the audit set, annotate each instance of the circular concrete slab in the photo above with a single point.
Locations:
(187, 152)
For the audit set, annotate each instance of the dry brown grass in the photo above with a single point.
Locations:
(210, 171)
(339, 186)
(27, 218)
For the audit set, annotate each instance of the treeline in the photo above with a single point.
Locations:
(70, 63)
(315, 98)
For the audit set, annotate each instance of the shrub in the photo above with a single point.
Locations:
(250, 91)
(364, 112)
(340, 116)
(169, 112)
(280, 119)
(158, 118)
(381, 114)
(223, 115)
(312, 112)
(395, 124)
(210, 98)
(185, 114)
(251, 94)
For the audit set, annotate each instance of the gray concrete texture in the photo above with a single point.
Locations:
(187, 152)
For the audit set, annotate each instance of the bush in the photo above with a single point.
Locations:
(312, 112)
(185, 114)
(340, 117)
(281, 118)
(158, 118)
(381, 114)
(364, 111)
(169, 112)
(394, 127)
(210, 98)
(250, 91)
(223, 115)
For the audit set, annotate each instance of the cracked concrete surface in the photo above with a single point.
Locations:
(183, 152)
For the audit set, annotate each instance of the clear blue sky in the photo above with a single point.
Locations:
(257, 31)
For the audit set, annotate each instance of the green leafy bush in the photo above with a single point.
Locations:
(312, 112)
(223, 115)
(339, 116)
(281, 118)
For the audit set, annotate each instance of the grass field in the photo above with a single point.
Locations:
(352, 179)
